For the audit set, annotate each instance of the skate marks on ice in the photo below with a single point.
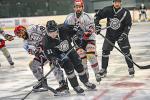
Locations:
(16, 82)
(124, 88)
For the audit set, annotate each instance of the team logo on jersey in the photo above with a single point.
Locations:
(63, 46)
(35, 37)
(115, 23)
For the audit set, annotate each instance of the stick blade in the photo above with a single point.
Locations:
(145, 67)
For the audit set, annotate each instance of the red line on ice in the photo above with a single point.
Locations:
(107, 90)
(129, 95)
(101, 94)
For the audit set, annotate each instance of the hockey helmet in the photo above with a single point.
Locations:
(117, 0)
(78, 2)
(51, 26)
(19, 29)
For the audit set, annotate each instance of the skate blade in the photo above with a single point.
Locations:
(103, 76)
(66, 91)
(131, 76)
(81, 94)
(62, 94)
(12, 66)
(91, 89)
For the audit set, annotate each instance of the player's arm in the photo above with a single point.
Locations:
(100, 14)
(128, 23)
(6, 36)
(51, 56)
(31, 49)
(127, 26)
(69, 20)
(90, 27)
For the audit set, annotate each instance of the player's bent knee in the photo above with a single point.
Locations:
(105, 53)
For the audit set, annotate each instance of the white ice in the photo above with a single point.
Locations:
(16, 82)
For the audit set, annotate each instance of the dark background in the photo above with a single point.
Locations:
(26, 8)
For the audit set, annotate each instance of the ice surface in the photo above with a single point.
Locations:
(16, 82)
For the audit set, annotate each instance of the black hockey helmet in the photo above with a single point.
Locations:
(51, 26)
(117, 0)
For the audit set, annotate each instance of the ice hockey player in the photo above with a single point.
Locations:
(142, 11)
(120, 22)
(87, 51)
(32, 37)
(58, 48)
(3, 46)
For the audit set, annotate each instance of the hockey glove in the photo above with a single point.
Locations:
(9, 37)
(98, 28)
(31, 51)
(77, 28)
(86, 35)
(2, 43)
(38, 50)
(75, 37)
(122, 37)
(76, 41)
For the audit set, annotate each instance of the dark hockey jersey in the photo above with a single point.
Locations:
(60, 45)
(119, 20)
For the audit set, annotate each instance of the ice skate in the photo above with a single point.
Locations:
(79, 90)
(131, 72)
(41, 87)
(103, 73)
(98, 77)
(89, 85)
(63, 88)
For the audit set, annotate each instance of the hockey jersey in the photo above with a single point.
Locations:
(85, 21)
(119, 20)
(35, 35)
(57, 47)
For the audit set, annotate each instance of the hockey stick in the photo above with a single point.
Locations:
(140, 67)
(49, 88)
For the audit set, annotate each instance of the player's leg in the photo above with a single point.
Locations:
(125, 48)
(75, 59)
(7, 55)
(92, 58)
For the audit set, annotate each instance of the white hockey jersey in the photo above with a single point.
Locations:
(85, 21)
(35, 36)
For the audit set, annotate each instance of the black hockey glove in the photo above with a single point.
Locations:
(38, 51)
(75, 37)
(122, 37)
(98, 28)
(76, 41)
(77, 28)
